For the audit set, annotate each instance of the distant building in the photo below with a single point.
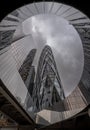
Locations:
(27, 72)
(26, 66)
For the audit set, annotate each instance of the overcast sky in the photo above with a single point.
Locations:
(65, 43)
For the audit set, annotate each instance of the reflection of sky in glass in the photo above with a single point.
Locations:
(65, 43)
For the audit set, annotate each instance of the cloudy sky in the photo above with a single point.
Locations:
(65, 43)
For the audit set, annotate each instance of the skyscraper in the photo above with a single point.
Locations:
(47, 81)
(27, 71)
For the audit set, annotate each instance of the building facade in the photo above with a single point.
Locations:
(75, 100)
(27, 71)
(48, 88)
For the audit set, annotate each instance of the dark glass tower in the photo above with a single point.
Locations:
(27, 71)
(48, 88)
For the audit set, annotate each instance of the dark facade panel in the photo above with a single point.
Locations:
(6, 38)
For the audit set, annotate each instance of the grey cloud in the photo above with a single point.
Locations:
(65, 43)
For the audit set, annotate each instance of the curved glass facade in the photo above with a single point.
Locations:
(48, 89)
